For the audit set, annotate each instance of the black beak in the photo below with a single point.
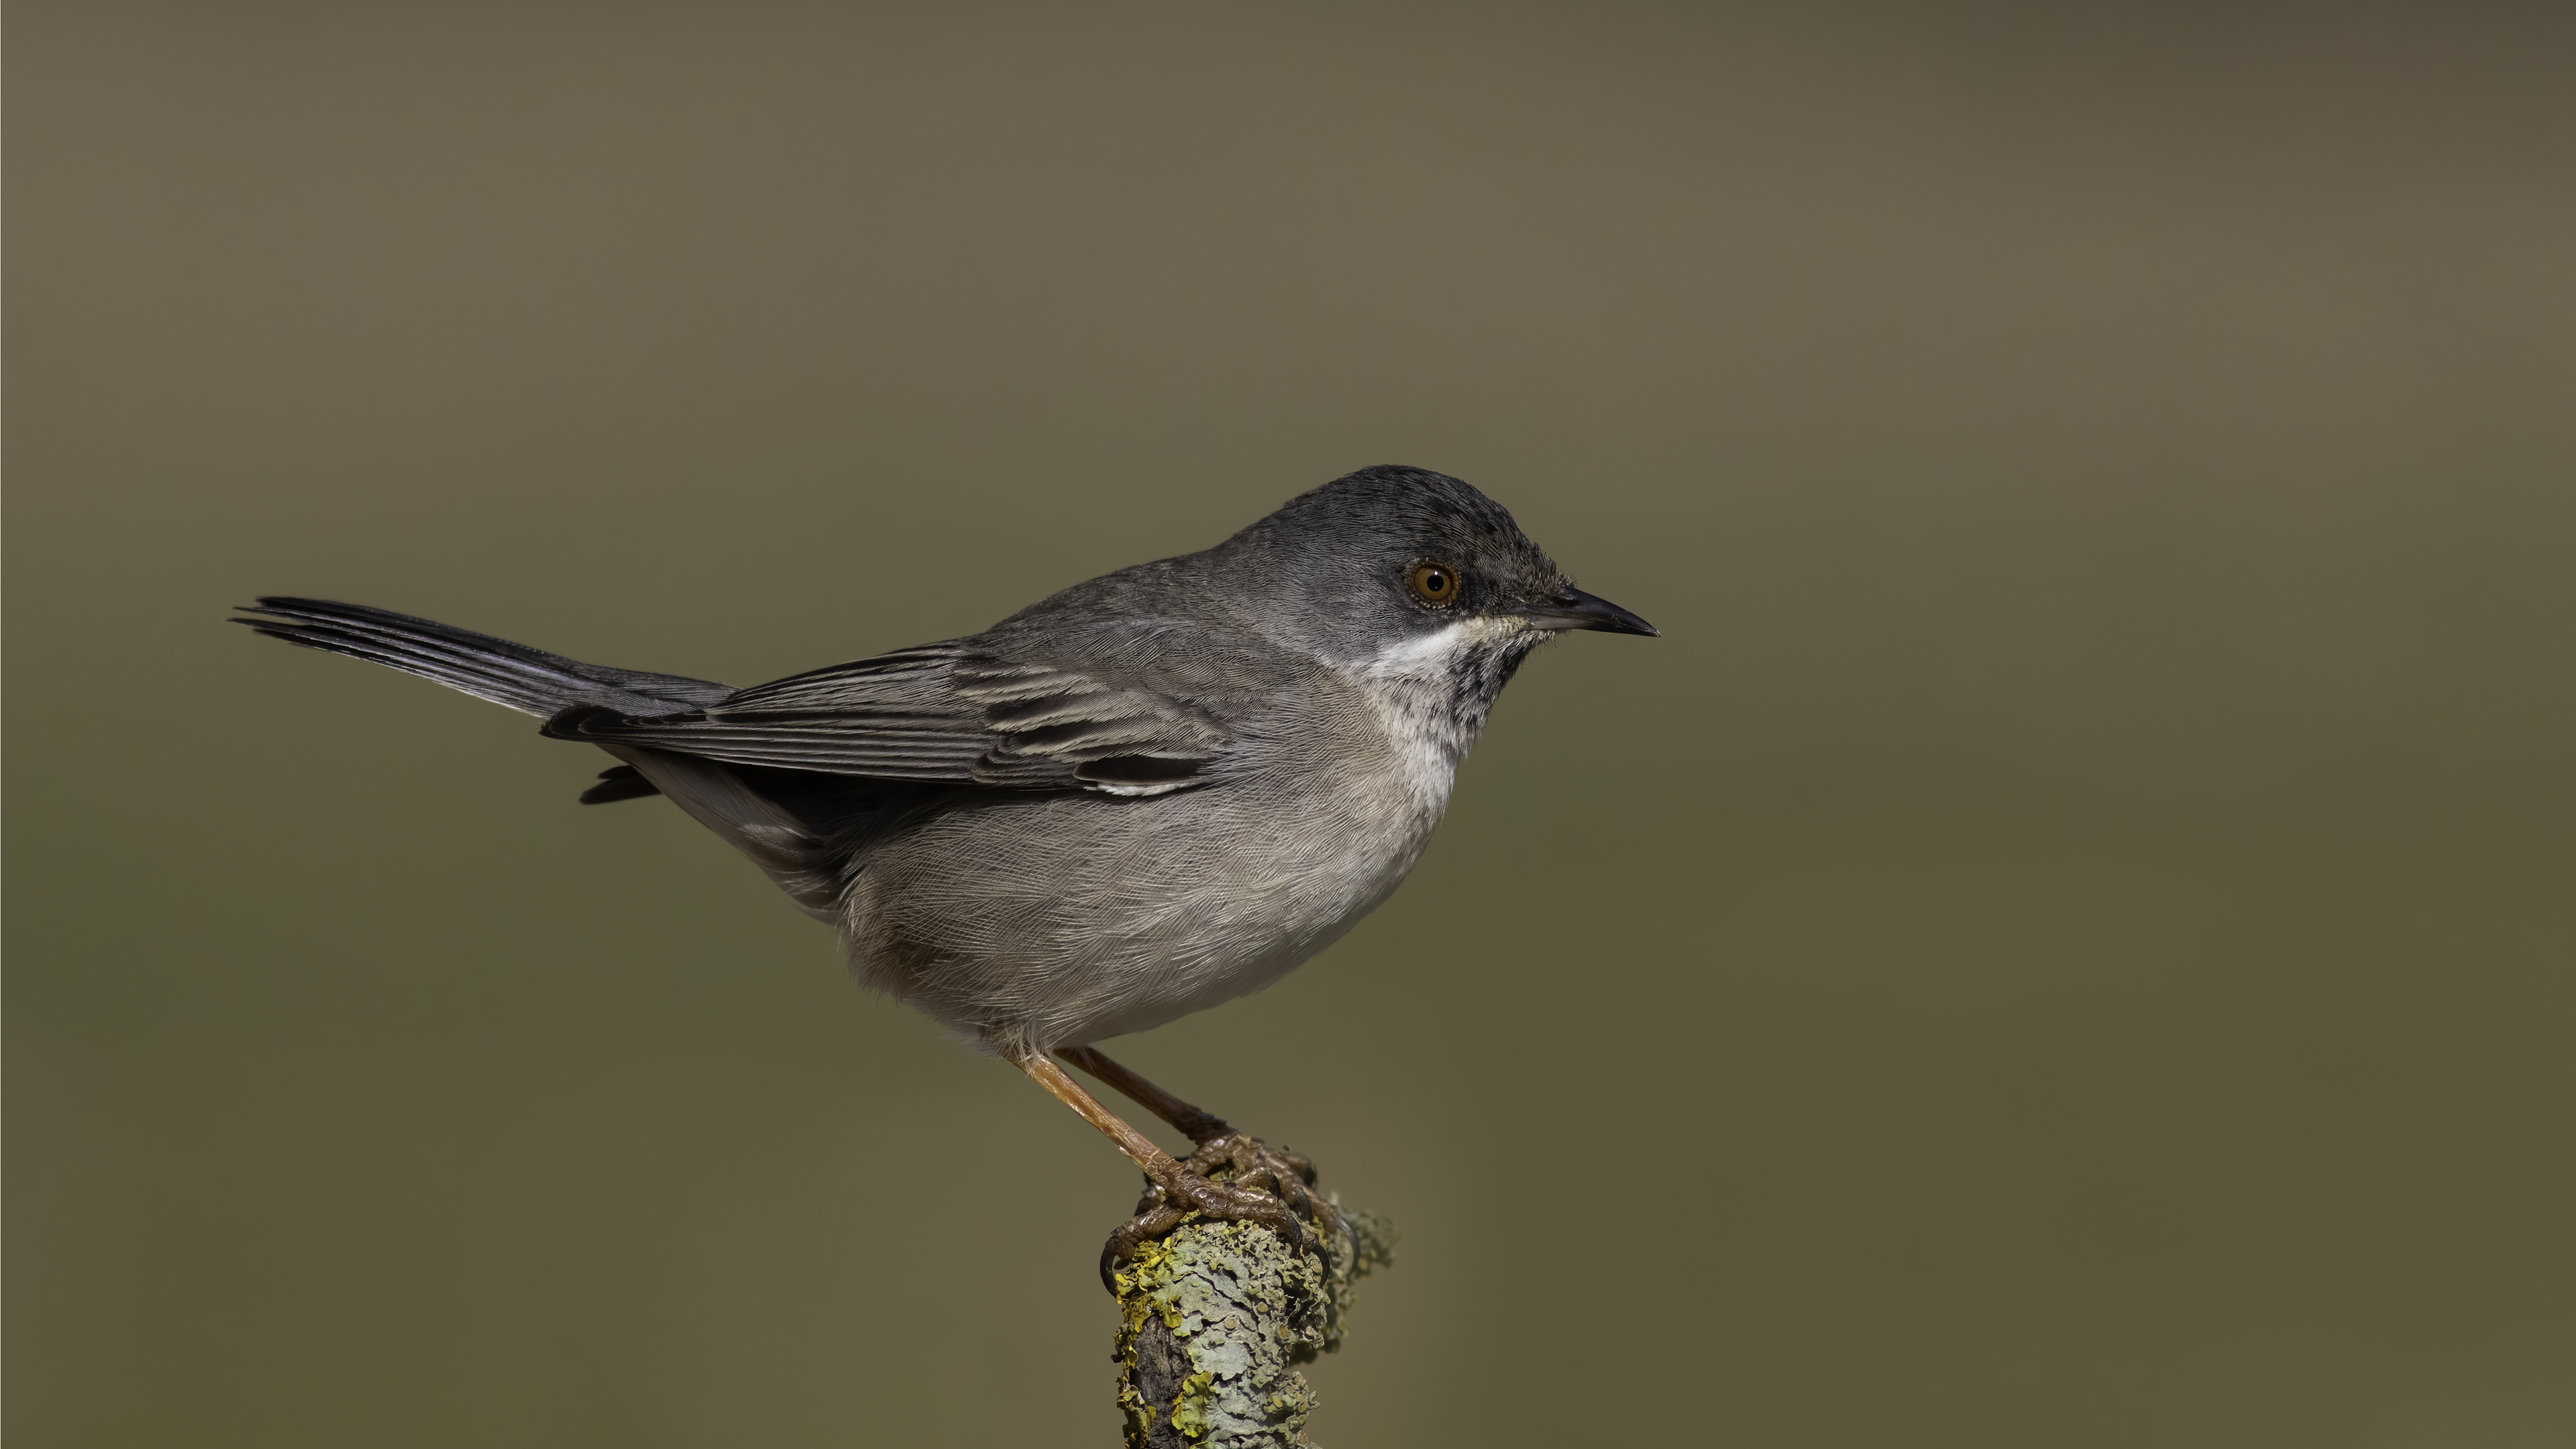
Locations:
(1571, 608)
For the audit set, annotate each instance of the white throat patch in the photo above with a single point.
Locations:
(1423, 689)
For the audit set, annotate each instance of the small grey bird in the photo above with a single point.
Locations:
(1151, 793)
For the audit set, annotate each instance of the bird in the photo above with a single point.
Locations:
(1140, 797)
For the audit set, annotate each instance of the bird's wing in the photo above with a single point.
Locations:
(1083, 714)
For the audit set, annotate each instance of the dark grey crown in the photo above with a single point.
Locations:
(1332, 562)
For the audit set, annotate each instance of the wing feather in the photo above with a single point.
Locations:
(952, 711)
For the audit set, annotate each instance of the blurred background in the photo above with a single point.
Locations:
(2068, 939)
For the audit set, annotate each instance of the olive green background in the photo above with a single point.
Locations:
(2067, 941)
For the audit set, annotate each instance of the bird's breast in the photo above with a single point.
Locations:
(1065, 918)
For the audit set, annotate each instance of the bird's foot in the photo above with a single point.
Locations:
(1232, 1177)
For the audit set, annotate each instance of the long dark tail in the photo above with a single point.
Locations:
(528, 680)
(805, 838)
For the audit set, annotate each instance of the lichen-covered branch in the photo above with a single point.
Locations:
(1216, 1316)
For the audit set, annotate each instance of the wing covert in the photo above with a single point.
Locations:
(944, 712)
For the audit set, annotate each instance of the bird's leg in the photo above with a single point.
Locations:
(1244, 1161)
(1197, 1124)
(1173, 1190)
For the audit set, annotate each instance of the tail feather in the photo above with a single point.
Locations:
(531, 681)
(619, 782)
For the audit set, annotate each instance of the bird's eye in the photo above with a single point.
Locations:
(1435, 583)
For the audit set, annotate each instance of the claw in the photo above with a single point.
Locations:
(1148, 1224)
(1261, 1185)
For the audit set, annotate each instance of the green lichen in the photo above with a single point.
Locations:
(1239, 1308)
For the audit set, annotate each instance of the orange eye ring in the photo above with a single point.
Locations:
(1436, 584)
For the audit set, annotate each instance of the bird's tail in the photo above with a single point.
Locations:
(528, 680)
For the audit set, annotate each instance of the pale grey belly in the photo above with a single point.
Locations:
(1043, 921)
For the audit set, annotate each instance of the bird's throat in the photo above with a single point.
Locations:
(1434, 692)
